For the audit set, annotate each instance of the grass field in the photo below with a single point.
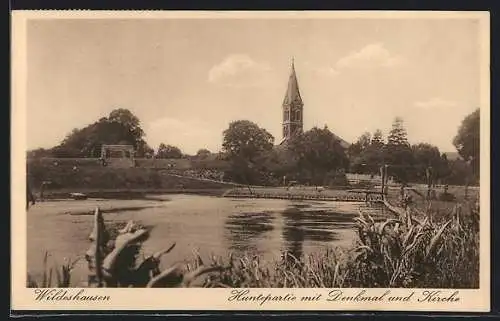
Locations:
(97, 178)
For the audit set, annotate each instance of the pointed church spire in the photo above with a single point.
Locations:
(292, 92)
(292, 107)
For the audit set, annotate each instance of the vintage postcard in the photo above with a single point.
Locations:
(250, 161)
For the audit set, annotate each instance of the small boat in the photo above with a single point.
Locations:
(78, 196)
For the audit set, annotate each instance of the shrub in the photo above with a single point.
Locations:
(447, 197)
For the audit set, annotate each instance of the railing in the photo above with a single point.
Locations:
(368, 197)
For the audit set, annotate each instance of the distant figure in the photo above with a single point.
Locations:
(402, 192)
(75, 168)
(42, 189)
(29, 196)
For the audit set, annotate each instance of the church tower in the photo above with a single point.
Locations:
(292, 108)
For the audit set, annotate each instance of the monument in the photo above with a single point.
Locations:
(118, 155)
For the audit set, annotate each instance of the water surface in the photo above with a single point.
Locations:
(203, 224)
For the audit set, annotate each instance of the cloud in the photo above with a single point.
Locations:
(372, 55)
(434, 103)
(327, 71)
(239, 70)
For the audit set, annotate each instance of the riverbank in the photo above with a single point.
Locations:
(126, 194)
(95, 178)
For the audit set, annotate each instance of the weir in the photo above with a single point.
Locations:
(343, 196)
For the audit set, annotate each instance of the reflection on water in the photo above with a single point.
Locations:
(293, 233)
(316, 225)
(244, 228)
(297, 223)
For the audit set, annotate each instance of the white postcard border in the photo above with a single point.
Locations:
(23, 298)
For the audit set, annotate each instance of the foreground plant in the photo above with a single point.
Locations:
(117, 264)
(53, 276)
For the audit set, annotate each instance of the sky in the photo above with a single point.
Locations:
(186, 79)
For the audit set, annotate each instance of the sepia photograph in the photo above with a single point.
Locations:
(231, 152)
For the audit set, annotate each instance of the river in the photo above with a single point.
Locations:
(203, 224)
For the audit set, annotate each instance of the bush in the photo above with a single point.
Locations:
(447, 197)
(337, 178)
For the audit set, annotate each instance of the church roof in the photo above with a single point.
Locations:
(284, 142)
(292, 91)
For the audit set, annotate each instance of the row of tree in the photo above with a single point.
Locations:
(120, 127)
(413, 162)
(173, 152)
(315, 156)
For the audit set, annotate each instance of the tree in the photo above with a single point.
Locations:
(442, 171)
(203, 153)
(398, 153)
(398, 137)
(127, 119)
(361, 145)
(144, 150)
(459, 170)
(121, 127)
(243, 143)
(274, 164)
(318, 152)
(168, 151)
(377, 139)
(247, 140)
(467, 141)
(427, 156)
(38, 153)
(371, 156)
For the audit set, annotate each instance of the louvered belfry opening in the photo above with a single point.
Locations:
(292, 107)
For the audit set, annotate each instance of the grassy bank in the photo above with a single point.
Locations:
(129, 194)
(412, 250)
(99, 179)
